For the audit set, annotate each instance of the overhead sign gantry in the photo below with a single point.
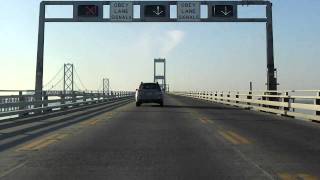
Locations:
(157, 11)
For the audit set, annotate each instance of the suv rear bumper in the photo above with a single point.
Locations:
(150, 100)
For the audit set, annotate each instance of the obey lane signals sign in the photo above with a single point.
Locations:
(121, 11)
(188, 11)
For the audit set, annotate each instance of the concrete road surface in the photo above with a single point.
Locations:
(186, 139)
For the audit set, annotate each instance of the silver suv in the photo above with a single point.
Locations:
(149, 93)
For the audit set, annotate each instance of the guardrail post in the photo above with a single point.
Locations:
(98, 96)
(22, 106)
(84, 96)
(221, 95)
(228, 96)
(62, 99)
(74, 97)
(91, 95)
(45, 101)
(237, 97)
(249, 97)
(293, 100)
(317, 102)
(264, 98)
(21, 100)
(111, 95)
(286, 99)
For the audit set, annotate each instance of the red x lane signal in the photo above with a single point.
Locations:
(88, 11)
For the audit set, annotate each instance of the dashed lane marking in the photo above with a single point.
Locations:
(241, 139)
(233, 137)
(42, 143)
(228, 137)
(205, 120)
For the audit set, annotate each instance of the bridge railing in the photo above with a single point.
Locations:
(303, 104)
(15, 103)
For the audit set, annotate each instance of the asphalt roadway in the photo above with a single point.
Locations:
(186, 139)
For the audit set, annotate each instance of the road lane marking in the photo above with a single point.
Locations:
(61, 136)
(44, 144)
(41, 143)
(205, 120)
(11, 170)
(32, 145)
(296, 176)
(93, 122)
(89, 122)
(109, 113)
(228, 137)
(233, 137)
(241, 139)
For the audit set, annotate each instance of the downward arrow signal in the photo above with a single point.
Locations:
(158, 12)
(225, 12)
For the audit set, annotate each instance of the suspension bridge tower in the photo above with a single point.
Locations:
(106, 86)
(68, 85)
(161, 78)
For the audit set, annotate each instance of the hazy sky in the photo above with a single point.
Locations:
(206, 56)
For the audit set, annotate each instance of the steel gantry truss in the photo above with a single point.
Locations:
(271, 71)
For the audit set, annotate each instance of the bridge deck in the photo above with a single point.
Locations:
(186, 139)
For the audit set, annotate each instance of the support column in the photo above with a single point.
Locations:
(40, 50)
(271, 71)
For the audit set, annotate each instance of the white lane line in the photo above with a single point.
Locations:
(270, 176)
(12, 169)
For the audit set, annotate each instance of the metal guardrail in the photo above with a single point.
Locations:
(15, 103)
(303, 104)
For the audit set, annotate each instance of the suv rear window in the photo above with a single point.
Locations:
(150, 86)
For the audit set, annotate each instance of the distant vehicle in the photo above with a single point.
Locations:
(149, 93)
